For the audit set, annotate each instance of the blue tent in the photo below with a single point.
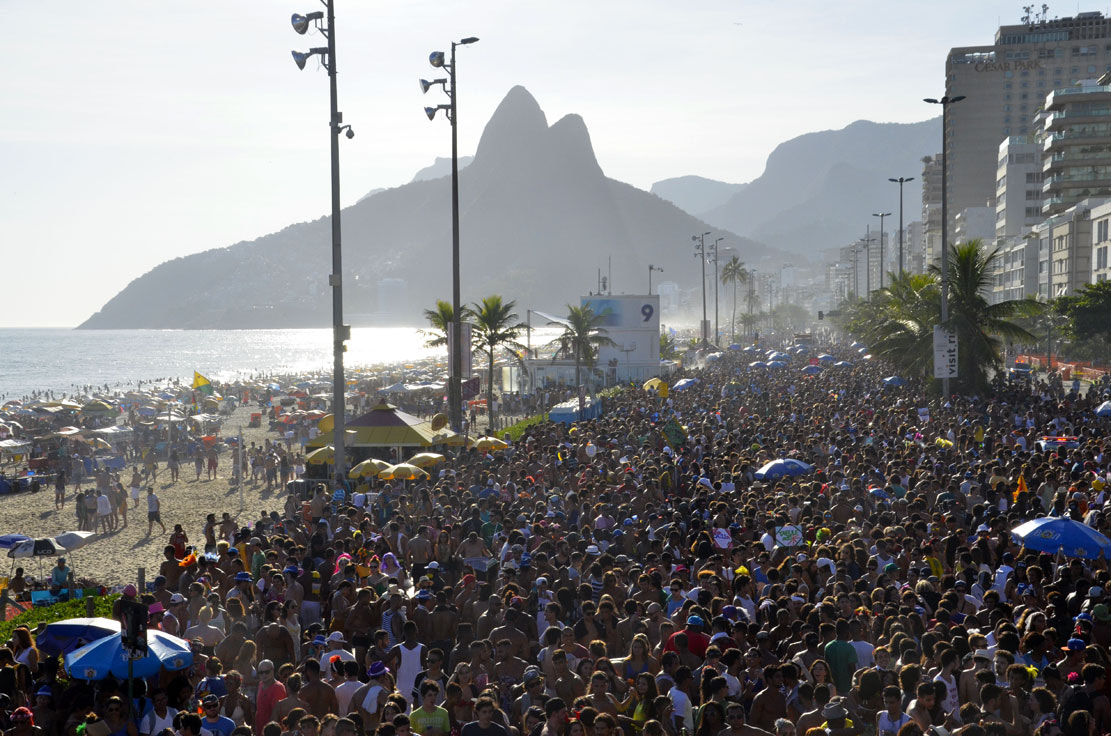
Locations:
(783, 467)
(1050, 534)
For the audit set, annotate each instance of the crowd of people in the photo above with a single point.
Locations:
(632, 576)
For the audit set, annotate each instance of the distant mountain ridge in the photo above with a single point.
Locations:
(538, 217)
(822, 188)
(695, 194)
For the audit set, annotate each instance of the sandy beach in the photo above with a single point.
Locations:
(114, 558)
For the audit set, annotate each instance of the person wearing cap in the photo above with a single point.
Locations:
(697, 641)
(336, 644)
(213, 721)
(370, 707)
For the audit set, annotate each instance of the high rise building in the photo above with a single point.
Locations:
(1004, 84)
(1018, 186)
(1076, 145)
(930, 247)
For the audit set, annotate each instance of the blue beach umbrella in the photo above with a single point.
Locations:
(1104, 409)
(1052, 534)
(785, 466)
(880, 493)
(812, 370)
(757, 364)
(842, 364)
(749, 349)
(776, 364)
(894, 382)
(734, 346)
(63, 637)
(684, 384)
(7, 541)
(103, 657)
(825, 358)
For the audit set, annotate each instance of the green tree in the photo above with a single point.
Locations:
(1089, 319)
(669, 349)
(440, 319)
(898, 323)
(496, 325)
(582, 335)
(981, 327)
(733, 272)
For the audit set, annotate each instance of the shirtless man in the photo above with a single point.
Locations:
(509, 669)
(318, 696)
(735, 718)
(441, 624)
(419, 551)
(360, 616)
(921, 706)
(769, 703)
(566, 684)
(291, 699)
(509, 630)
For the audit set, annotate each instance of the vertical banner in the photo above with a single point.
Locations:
(467, 357)
(945, 353)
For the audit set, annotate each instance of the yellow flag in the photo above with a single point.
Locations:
(202, 384)
(1020, 487)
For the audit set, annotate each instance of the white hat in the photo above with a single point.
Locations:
(593, 550)
(432, 565)
(335, 636)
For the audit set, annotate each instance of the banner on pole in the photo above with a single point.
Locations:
(945, 353)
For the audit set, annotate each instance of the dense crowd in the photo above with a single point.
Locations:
(631, 576)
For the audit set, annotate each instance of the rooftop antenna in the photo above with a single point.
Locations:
(1028, 9)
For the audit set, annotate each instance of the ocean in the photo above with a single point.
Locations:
(64, 360)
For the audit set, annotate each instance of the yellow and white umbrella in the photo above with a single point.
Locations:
(321, 456)
(402, 471)
(490, 443)
(426, 459)
(368, 468)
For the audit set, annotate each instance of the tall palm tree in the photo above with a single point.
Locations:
(496, 325)
(440, 319)
(898, 322)
(980, 325)
(733, 272)
(582, 335)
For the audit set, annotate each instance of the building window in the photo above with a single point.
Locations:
(1101, 231)
(1092, 69)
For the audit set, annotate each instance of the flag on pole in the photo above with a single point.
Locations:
(1020, 487)
(202, 384)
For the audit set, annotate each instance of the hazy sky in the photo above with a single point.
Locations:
(136, 132)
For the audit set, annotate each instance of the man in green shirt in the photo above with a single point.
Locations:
(429, 719)
(841, 656)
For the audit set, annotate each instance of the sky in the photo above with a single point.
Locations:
(134, 132)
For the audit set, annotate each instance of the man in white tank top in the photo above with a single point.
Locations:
(407, 659)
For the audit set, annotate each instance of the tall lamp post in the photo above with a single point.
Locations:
(714, 255)
(700, 254)
(881, 215)
(901, 181)
(436, 59)
(652, 268)
(325, 22)
(866, 245)
(945, 102)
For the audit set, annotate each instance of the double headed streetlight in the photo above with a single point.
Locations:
(700, 254)
(714, 255)
(945, 102)
(901, 181)
(438, 61)
(652, 268)
(881, 215)
(325, 22)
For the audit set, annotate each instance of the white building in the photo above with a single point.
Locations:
(975, 223)
(1018, 187)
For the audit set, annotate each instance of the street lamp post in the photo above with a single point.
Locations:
(652, 268)
(945, 102)
(714, 253)
(326, 23)
(436, 59)
(901, 181)
(881, 215)
(700, 254)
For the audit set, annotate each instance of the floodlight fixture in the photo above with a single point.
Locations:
(436, 59)
(301, 23)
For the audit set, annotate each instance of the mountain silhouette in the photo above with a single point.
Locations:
(695, 194)
(538, 217)
(829, 183)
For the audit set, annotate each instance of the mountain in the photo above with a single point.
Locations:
(695, 194)
(825, 186)
(441, 167)
(538, 217)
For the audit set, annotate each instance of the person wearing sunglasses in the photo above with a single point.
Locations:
(270, 691)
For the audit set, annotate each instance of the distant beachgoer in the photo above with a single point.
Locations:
(198, 462)
(213, 463)
(104, 511)
(154, 512)
(136, 486)
(60, 490)
(172, 464)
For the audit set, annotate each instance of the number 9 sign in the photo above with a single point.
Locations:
(647, 310)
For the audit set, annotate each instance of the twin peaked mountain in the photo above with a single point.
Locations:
(538, 217)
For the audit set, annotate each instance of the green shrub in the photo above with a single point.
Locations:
(102, 606)
(515, 431)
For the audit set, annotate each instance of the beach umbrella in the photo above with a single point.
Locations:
(426, 459)
(1050, 534)
(812, 370)
(894, 382)
(842, 364)
(321, 456)
(100, 443)
(490, 443)
(73, 540)
(776, 364)
(106, 656)
(1104, 409)
(784, 466)
(734, 346)
(749, 349)
(880, 493)
(402, 471)
(368, 468)
(654, 384)
(63, 637)
(45, 547)
(825, 357)
(7, 541)
(684, 384)
(757, 364)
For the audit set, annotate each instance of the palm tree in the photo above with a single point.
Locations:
(898, 322)
(496, 325)
(440, 320)
(669, 350)
(733, 272)
(582, 336)
(980, 325)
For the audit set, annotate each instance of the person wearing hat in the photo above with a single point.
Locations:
(213, 721)
(697, 641)
(370, 707)
(337, 647)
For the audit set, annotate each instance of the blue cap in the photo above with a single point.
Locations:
(694, 621)
(1085, 616)
(242, 577)
(424, 594)
(319, 639)
(1076, 645)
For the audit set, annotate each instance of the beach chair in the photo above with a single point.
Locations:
(42, 598)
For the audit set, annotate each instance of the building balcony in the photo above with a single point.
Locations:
(1091, 180)
(1059, 119)
(1079, 157)
(1059, 97)
(1063, 141)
